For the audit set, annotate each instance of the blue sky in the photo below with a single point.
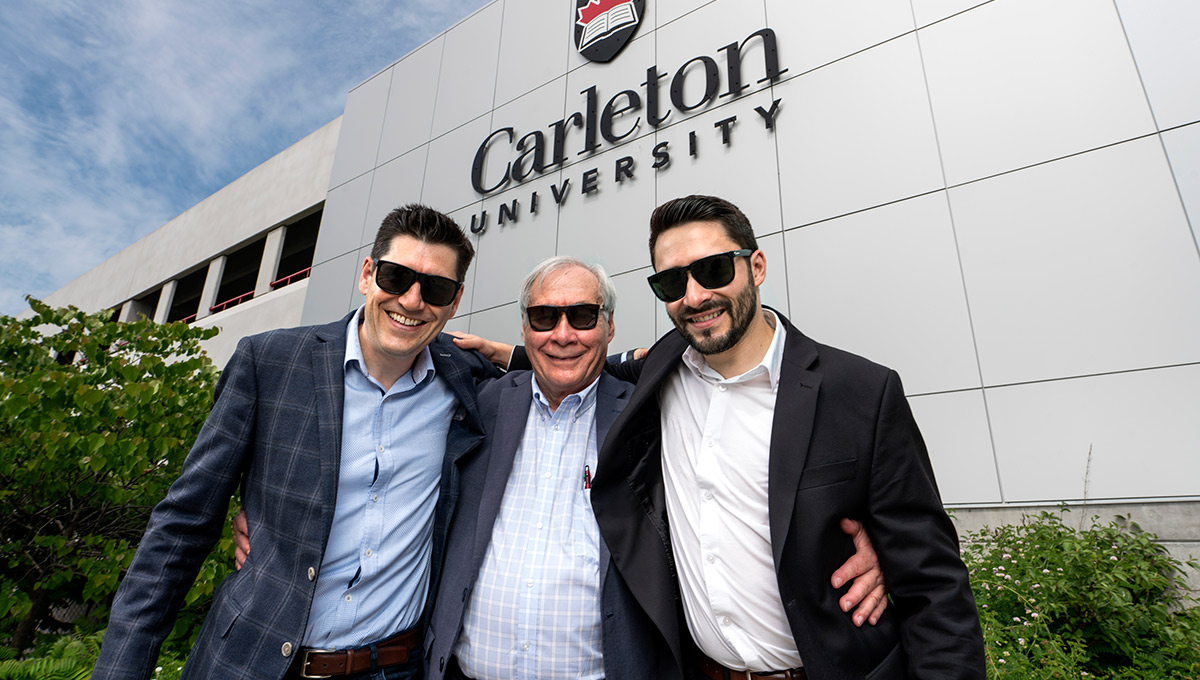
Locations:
(116, 116)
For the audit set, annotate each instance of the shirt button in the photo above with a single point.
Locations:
(556, 428)
(539, 525)
(286, 649)
(711, 558)
(381, 448)
(548, 475)
(722, 388)
(347, 598)
(708, 495)
(725, 621)
(375, 498)
(312, 574)
(711, 443)
(529, 584)
(525, 646)
(369, 553)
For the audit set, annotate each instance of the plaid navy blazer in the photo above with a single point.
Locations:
(274, 431)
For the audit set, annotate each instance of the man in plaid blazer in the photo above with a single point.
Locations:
(287, 429)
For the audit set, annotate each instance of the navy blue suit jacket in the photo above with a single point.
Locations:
(631, 646)
(275, 430)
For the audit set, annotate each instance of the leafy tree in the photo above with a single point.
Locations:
(95, 420)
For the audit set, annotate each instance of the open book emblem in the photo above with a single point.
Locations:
(603, 27)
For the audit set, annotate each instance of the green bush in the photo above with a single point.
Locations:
(71, 657)
(95, 420)
(1104, 602)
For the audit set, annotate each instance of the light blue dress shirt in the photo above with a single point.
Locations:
(535, 609)
(374, 577)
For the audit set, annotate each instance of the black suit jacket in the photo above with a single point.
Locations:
(843, 444)
(477, 481)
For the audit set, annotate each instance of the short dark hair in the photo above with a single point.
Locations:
(424, 224)
(698, 208)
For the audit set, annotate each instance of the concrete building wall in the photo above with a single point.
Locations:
(993, 198)
(998, 199)
(290, 183)
(279, 309)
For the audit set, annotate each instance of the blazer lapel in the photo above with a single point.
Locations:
(329, 384)
(611, 397)
(791, 431)
(515, 401)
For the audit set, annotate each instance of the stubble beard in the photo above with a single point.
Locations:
(740, 311)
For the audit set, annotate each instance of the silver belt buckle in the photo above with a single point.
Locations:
(304, 664)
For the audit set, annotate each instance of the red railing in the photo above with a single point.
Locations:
(190, 318)
(292, 278)
(232, 302)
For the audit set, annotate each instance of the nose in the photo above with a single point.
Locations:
(695, 295)
(562, 333)
(411, 298)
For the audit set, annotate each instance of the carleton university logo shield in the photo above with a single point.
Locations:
(602, 27)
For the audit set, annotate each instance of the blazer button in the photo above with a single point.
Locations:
(442, 663)
(312, 574)
(286, 649)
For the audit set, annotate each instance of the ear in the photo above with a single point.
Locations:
(758, 267)
(612, 325)
(457, 299)
(364, 279)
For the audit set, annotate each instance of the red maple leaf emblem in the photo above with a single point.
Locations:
(595, 8)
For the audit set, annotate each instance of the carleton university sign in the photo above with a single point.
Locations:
(509, 155)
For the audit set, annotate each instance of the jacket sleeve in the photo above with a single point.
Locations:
(183, 527)
(918, 548)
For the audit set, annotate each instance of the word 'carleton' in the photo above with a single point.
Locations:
(594, 121)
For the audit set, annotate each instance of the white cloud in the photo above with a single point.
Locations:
(116, 116)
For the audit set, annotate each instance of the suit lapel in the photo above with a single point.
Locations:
(791, 431)
(611, 397)
(329, 384)
(629, 502)
(513, 413)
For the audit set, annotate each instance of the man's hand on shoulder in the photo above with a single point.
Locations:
(868, 592)
(498, 353)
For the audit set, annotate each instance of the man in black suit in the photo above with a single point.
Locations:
(723, 482)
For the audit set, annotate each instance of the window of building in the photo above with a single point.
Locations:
(299, 245)
(186, 302)
(147, 304)
(240, 275)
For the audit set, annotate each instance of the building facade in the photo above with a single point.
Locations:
(997, 199)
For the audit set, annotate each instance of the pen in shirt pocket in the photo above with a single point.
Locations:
(587, 477)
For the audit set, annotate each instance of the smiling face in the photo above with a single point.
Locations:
(566, 360)
(396, 328)
(714, 321)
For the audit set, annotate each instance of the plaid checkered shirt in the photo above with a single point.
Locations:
(535, 609)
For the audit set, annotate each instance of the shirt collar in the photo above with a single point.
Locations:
(771, 364)
(577, 402)
(422, 368)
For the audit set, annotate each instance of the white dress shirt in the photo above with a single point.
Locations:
(716, 440)
(535, 609)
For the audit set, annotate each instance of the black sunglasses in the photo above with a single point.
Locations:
(582, 317)
(396, 279)
(713, 271)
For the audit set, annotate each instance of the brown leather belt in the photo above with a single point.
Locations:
(326, 663)
(715, 671)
